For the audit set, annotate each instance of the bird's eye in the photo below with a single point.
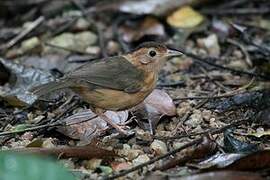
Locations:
(152, 53)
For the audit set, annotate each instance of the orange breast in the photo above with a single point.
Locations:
(116, 100)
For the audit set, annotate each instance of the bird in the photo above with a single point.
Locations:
(115, 83)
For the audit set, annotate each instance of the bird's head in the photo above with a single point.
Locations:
(151, 55)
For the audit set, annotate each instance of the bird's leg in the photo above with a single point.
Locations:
(101, 114)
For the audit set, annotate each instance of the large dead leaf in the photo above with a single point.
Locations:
(86, 125)
(156, 105)
(22, 78)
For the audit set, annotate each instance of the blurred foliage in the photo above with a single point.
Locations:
(26, 167)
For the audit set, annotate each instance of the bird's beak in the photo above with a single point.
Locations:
(172, 52)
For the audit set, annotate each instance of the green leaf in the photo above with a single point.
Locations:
(105, 169)
(20, 127)
(25, 167)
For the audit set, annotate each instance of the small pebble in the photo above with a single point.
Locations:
(159, 147)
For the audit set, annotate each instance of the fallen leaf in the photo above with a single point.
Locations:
(16, 92)
(156, 105)
(105, 169)
(184, 22)
(233, 145)
(86, 125)
(185, 17)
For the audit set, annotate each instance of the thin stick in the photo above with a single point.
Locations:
(236, 11)
(67, 49)
(26, 31)
(225, 95)
(204, 60)
(55, 124)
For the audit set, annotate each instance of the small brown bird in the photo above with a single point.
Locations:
(115, 83)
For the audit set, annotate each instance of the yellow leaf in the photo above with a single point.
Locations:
(185, 17)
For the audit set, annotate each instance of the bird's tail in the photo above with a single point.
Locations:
(48, 88)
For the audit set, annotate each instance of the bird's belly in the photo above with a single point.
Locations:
(114, 100)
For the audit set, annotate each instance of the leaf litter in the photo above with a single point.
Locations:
(211, 111)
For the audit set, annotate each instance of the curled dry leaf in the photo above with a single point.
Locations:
(16, 92)
(86, 125)
(234, 145)
(156, 105)
(161, 102)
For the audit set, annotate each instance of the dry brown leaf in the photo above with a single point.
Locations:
(85, 125)
(185, 17)
(162, 102)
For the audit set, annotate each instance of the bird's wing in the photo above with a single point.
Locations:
(114, 73)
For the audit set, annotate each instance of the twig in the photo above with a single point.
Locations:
(67, 49)
(55, 124)
(83, 152)
(231, 4)
(213, 80)
(26, 31)
(241, 47)
(194, 142)
(225, 95)
(207, 61)
(236, 11)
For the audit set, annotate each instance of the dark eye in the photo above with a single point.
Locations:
(152, 53)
